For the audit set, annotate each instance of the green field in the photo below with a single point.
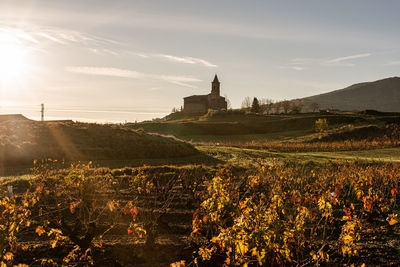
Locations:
(243, 156)
(240, 127)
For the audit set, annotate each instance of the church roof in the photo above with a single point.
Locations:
(216, 79)
(196, 97)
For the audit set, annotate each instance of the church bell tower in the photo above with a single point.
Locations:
(215, 86)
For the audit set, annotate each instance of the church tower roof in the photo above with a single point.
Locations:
(215, 79)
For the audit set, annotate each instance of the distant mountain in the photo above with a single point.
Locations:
(381, 95)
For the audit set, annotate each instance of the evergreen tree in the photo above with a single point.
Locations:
(255, 107)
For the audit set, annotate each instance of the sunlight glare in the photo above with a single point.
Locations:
(13, 61)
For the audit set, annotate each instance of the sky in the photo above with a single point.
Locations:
(131, 60)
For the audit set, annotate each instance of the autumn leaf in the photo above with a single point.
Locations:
(242, 247)
(134, 211)
(73, 206)
(40, 230)
(392, 221)
(9, 256)
(111, 206)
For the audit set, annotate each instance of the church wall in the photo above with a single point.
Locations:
(201, 103)
(217, 102)
(195, 108)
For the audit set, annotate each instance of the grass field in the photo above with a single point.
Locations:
(243, 156)
(231, 126)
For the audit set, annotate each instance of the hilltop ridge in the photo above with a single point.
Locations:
(382, 95)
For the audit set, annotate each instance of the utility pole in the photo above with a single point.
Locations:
(42, 111)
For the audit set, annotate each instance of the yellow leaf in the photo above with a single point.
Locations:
(392, 221)
(242, 247)
(73, 206)
(9, 256)
(111, 206)
(215, 239)
(40, 230)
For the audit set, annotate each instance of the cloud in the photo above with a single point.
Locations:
(50, 37)
(340, 59)
(298, 68)
(188, 60)
(38, 34)
(62, 36)
(124, 73)
(179, 59)
(393, 63)
(113, 72)
(300, 64)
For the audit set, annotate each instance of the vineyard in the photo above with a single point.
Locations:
(314, 147)
(275, 214)
(361, 138)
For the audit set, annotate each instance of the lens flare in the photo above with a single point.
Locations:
(13, 59)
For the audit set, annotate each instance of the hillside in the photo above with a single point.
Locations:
(23, 142)
(382, 95)
(235, 126)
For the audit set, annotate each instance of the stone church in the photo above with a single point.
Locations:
(202, 103)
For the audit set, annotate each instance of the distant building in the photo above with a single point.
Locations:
(202, 103)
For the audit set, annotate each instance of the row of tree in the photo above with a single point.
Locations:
(268, 106)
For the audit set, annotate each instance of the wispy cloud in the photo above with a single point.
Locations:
(187, 60)
(298, 68)
(300, 64)
(340, 59)
(40, 34)
(124, 73)
(393, 63)
(179, 59)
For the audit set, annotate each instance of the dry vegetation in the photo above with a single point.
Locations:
(344, 139)
(314, 147)
(275, 214)
(23, 142)
(302, 216)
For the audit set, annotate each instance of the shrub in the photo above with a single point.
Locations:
(321, 125)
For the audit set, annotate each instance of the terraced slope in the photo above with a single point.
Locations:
(23, 142)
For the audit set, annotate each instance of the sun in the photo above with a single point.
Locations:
(13, 59)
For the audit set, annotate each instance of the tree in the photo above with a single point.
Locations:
(246, 104)
(278, 107)
(228, 102)
(297, 106)
(266, 105)
(255, 106)
(314, 106)
(286, 106)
